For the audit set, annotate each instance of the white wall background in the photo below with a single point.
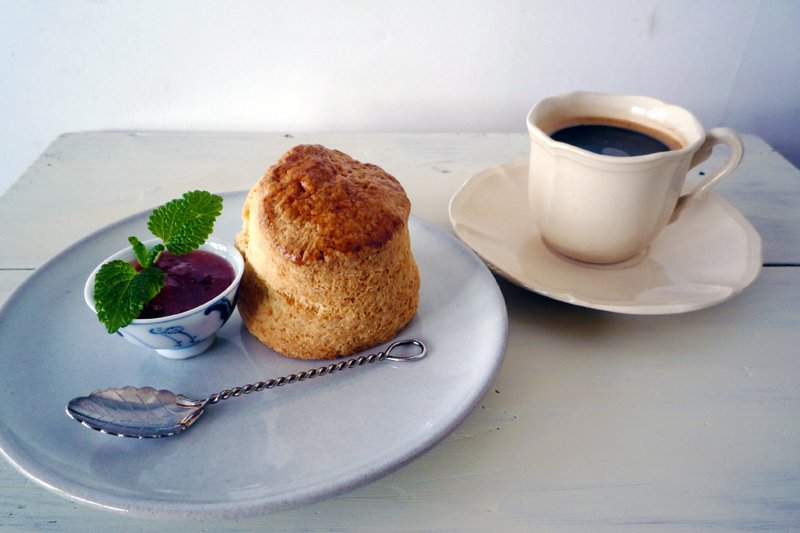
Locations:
(391, 65)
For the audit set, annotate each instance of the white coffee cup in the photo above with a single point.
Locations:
(607, 209)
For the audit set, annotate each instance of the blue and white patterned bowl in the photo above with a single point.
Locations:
(189, 333)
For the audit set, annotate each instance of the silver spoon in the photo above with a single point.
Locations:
(146, 413)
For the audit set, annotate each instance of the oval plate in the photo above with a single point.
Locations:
(268, 451)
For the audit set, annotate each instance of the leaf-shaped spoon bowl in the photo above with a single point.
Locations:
(136, 412)
(144, 412)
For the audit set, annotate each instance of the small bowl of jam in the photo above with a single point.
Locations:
(198, 297)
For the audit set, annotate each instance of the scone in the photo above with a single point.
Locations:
(328, 264)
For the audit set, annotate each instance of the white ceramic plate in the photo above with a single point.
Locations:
(271, 450)
(707, 256)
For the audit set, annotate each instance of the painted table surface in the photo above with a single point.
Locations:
(596, 421)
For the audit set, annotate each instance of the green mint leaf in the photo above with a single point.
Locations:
(153, 257)
(143, 256)
(140, 251)
(185, 223)
(120, 292)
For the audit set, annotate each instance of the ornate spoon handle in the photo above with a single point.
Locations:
(258, 386)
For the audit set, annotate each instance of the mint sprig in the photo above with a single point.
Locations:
(183, 224)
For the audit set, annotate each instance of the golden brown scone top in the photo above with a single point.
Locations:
(316, 201)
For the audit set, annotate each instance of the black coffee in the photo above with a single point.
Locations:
(610, 140)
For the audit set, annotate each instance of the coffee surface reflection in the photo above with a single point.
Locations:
(610, 140)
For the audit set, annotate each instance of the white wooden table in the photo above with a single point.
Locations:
(596, 421)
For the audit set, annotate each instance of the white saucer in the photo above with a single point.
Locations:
(708, 255)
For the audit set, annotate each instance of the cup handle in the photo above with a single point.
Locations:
(713, 137)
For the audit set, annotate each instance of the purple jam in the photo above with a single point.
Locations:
(191, 280)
